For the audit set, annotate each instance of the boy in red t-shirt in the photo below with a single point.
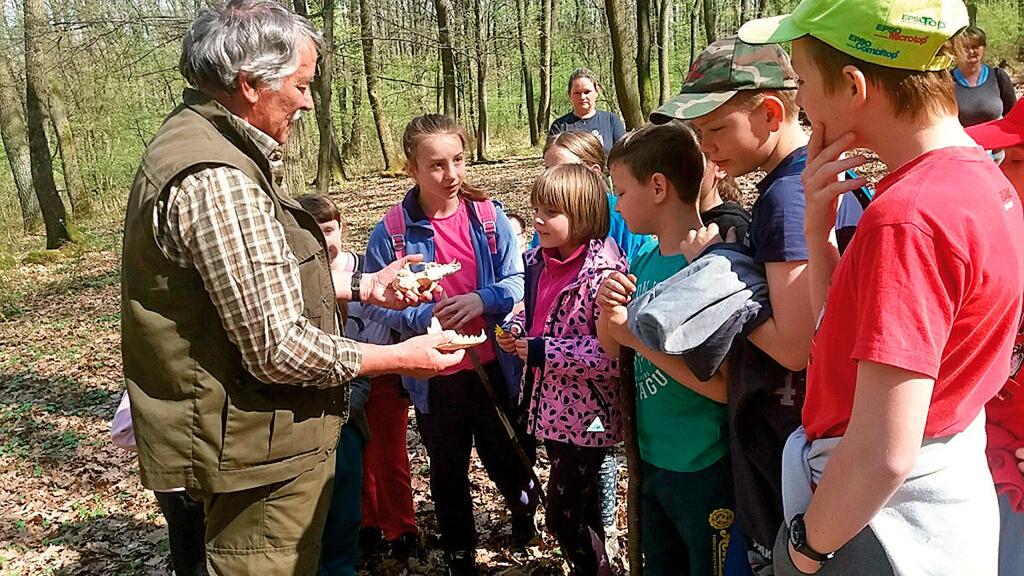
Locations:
(1005, 412)
(888, 473)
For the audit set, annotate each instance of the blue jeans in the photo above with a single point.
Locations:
(1011, 539)
(341, 532)
(685, 518)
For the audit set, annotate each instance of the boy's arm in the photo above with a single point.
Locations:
(786, 336)
(874, 457)
(674, 366)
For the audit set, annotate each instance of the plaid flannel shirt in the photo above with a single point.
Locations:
(220, 222)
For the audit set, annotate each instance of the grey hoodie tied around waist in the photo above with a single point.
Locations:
(697, 312)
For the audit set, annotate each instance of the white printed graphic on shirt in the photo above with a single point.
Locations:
(596, 425)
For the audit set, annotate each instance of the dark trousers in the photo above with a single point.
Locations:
(574, 506)
(185, 530)
(461, 414)
(685, 520)
(341, 532)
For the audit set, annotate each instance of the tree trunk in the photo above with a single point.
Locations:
(531, 112)
(643, 55)
(664, 43)
(1020, 30)
(622, 69)
(627, 395)
(544, 105)
(322, 88)
(710, 26)
(972, 12)
(481, 82)
(74, 187)
(387, 146)
(693, 32)
(36, 91)
(15, 134)
(444, 40)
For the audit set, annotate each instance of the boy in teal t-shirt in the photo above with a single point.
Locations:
(686, 493)
(678, 429)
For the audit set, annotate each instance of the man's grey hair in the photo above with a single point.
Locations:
(262, 38)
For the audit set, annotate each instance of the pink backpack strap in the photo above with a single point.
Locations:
(487, 214)
(394, 225)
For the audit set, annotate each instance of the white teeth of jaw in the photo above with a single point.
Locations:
(460, 341)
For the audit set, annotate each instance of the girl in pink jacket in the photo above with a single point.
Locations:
(570, 384)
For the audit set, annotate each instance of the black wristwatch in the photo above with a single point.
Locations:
(357, 278)
(798, 539)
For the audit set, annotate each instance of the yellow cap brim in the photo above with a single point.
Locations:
(771, 30)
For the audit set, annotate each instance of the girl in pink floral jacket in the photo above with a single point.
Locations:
(571, 384)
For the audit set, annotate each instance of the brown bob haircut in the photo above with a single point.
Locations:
(574, 190)
(584, 145)
(670, 149)
(914, 94)
(321, 207)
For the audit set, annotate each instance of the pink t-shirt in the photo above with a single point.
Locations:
(452, 241)
(556, 275)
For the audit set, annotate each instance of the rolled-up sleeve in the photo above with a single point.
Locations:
(220, 222)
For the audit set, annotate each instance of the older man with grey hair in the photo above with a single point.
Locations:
(233, 355)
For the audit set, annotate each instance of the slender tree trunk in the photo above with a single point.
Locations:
(444, 39)
(972, 12)
(531, 112)
(322, 88)
(622, 69)
(693, 32)
(36, 90)
(544, 105)
(15, 134)
(1020, 30)
(664, 43)
(481, 81)
(387, 146)
(627, 395)
(67, 146)
(710, 25)
(643, 55)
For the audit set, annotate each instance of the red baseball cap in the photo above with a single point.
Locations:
(1003, 133)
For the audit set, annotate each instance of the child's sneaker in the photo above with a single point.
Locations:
(462, 563)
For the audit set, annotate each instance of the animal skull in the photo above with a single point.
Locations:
(423, 281)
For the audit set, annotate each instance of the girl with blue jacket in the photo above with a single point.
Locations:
(446, 219)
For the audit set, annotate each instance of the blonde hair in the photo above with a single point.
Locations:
(750, 99)
(426, 125)
(584, 145)
(913, 94)
(574, 190)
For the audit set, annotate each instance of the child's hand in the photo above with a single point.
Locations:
(698, 240)
(453, 312)
(522, 346)
(1020, 459)
(506, 341)
(616, 290)
(618, 321)
(822, 186)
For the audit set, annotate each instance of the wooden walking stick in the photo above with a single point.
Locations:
(627, 396)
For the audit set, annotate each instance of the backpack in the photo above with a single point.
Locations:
(486, 213)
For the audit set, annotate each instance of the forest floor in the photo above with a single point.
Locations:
(71, 503)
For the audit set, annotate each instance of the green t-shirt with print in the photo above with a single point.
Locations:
(678, 429)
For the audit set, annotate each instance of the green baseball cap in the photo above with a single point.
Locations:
(903, 34)
(724, 68)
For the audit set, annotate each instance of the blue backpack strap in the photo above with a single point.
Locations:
(394, 225)
(487, 214)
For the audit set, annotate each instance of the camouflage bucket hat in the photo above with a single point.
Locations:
(723, 69)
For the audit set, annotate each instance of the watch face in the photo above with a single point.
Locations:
(796, 533)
